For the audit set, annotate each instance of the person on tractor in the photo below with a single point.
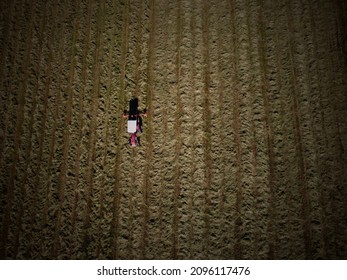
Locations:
(134, 122)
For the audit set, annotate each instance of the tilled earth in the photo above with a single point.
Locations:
(243, 154)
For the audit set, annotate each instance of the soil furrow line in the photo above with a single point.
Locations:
(286, 172)
(104, 211)
(193, 166)
(87, 224)
(246, 133)
(289, 168)
(316, 43)
(218, 119)
(66, 142)
(222, 65)
(213, 152)
(147, 187)
(237, 250)
(52, 149)
(31, 197)
(4, 94)
(318, 26)
(5, 46)
(178, 131)
(301, 176)
(206, 126)
(254, 65)
(137, 206)
(116, 252)
(130, 208)
(187, 119)
(17, 139)
(6, 36)
(99, 202)
(167, 230)
(40, 168)
(155, 89)
(163, 94)
(341, 111)
(225, 130)
(131, 223)
(320, 131)
(272, 236)
(335, 144)
(9, 114)
(312, 141)
(167, 187)
(138, 49)
(81, 122)
(278, 219)
(248, 129)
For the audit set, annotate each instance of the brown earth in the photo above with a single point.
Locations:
(243, 154)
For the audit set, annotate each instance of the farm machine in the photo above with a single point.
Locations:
(134, 124)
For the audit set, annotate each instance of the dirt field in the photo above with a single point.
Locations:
(243, 154)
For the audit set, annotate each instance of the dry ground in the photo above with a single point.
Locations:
(243, 154)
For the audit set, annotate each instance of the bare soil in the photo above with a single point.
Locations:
(243, 154)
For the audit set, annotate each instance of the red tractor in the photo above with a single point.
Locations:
(134, 122)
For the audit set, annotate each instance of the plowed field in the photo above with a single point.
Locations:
(243, 154)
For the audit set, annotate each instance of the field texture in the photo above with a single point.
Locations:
(244, 150)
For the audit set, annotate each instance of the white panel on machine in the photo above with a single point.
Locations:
(131, 126)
